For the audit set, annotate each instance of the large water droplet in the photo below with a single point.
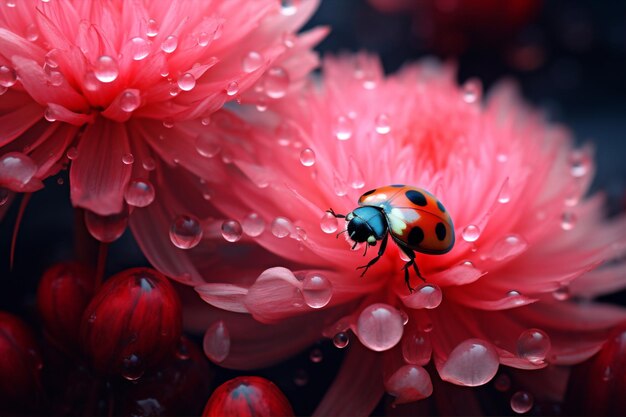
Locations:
(276, 82)
(207, 144)
(533, 345)
(281, 227)
(153, 28)
(216, 342)
(472, 90)
(471, 233)
(508, 247)
(8, 76)
(426, 295)
(382, 124)
(328, 223)
(472, 363)
(253, 225)
(562, 293)
(132, 367)
(232, 88)
(317, 290)
(521, 402)
(232, 230)
(568, 220)
(140, 193)
(130, 100)
(139, 48)
(16, 169)
(380, 327)
(341, 340)
(409, 383)
(106, 228)
(186, 82)
(170, 44)
(343, 128)
(186, 232)
(252, 61)
(416, 347)
(307, 157)
(128, 159)
(106, 69)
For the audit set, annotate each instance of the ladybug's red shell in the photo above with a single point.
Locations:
(416, 219)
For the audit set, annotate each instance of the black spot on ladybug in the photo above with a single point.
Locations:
(369, 192)
(416, 197)
(416, 235)
(441, 207)
(398, 185)
(440, 231)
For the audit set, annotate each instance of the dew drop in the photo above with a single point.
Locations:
(472, 363)
(132, 367)
(328, 223)
(10, 3)
(504, 196)
(562, 293)
(170, 44)
(521, 402)
(261, 105)
(253, 225)
(379, 327)
(382, 124)
(409, 383)
(416, 348)
(232, 88)
(139, 48)
(186, 82)
(8, 76)
(186, 232)
(580, 163)
(568, 221)
(300, 378)
(53, 77)
(16, 169)
(52, 58)
(341, 340)
(533, 345)
(106, 69)
(276, 82)
(252, 61)
(149, 164)
(288, 7)
(339, 186)
(207, 145)
(472, 90)
(130, 101)
(128, 159)
(182, 351)
(106, 228)
(32, 32)
(50, 114)
(471, 233)
(307, 157)
(502, 383)
(216, 342)
(203, 39)
(218, 31)
(168, 124)
(426, 295)
(355, 175)
(281, 227)
(316, 355)
(289, 39)
(90, 81)
(153, 28)
(231, 230)
(139, 193)
(343, 128)
(317, 290)
(508, 247)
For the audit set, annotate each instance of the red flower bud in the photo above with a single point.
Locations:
(20, 366)
(247, 396)
(132, 323)
(64, 291)
(597, 386)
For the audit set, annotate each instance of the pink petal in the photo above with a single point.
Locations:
(62, 114)
(98, 177)
(225, 296)
(17, 120)
(275, 295)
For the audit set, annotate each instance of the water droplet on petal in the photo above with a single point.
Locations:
(281, 227)
(502, 383)
(252, 61)
(149, 164)
(508, 247)
(106, 228)
(472, 90)
(128, 159)
(140, 193)
(521, 402)
(52, 58)
(504, 196)
(288, 7)
(16, 169)
(416, 348)
(409, 383)
(355, 175)
(276, 82)
(203, 39)
(580, 163)
(472, 363)
(253, 225)
(307, 157)
(32, 32)
(139, 49)
(106, 69)
(8, 76)
(50, 114)
(289, 39)
(343, 128)
(186, 82)
(328, 223)
(232, 230)
(10, 3)
(339, 186)
(382, 124)
(216, 342)
(562, 293)
(132, 367)
(341, 340)
(471, 233)
(379, 327)
(130, 101)
(153, 28)
(317, 290)
(426, 295)
(207, 144)
(186, 232)
(170, 44)
(533, 345)
(316, 355)
(568, 221)
(232, 88)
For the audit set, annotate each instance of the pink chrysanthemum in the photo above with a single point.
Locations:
(114, 86)
(528, 240)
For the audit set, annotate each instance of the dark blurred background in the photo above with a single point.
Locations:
(569, 57)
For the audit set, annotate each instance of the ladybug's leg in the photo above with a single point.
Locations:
(411, 254)
(381, 250)
(331, 211)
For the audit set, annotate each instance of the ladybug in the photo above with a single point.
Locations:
(414, 218)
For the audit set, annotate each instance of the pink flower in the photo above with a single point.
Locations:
(115, 86)
(527, 238)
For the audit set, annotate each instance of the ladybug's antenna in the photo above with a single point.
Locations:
(340, 233)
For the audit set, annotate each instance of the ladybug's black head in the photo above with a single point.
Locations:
(367, 224)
